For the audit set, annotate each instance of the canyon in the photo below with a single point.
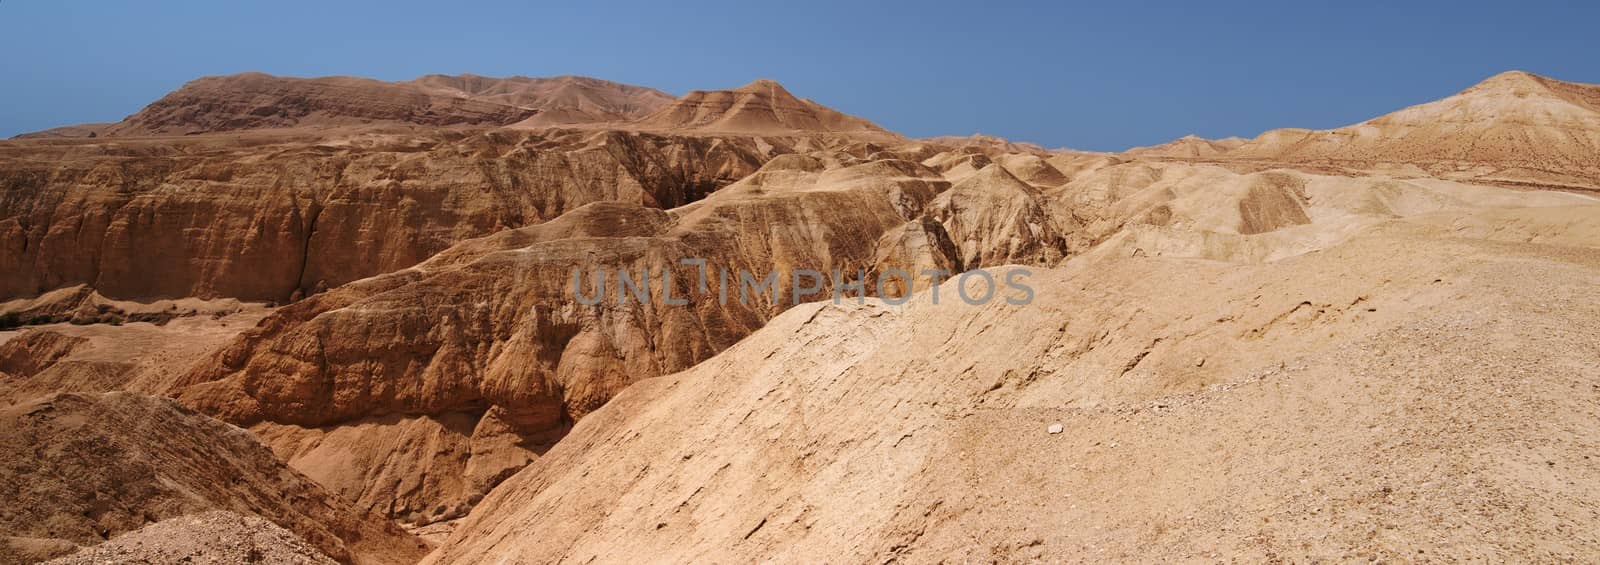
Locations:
(346, 307)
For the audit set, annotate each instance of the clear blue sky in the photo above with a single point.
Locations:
(1104, 76)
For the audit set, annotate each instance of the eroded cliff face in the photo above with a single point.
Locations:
(492, 326)
(411, 385)
(1286, 406)
(273, 216)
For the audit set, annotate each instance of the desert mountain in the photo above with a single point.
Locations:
(762, 107)
(1353, 346)
(275, 216)
(1175, 408)
(1189, 147)
(501, 382)
(69, 132)
(260, 101)
(79, 468)
(1515, 127)
(560, 100)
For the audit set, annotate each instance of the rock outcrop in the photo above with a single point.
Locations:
(276, 217)
(539, 312)
(995, 219)
(493, 327)
(217, 537)
(82, 468)
(140, 356)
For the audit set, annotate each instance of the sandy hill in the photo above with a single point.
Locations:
(80, 468)
(762, 107)
(1514, 127)
(1188, 146)
(217, 537)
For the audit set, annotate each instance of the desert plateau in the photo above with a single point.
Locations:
(461, 319)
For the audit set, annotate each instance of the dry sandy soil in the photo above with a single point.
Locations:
(343, 306)
(208, 538)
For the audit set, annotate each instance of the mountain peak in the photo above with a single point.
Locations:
(1512, 80)
(763, 85)
(1534, 130)
(993, 176)
(761, 107)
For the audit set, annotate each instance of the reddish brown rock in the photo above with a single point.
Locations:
(277, 216)
(83, 468)
(492, 325)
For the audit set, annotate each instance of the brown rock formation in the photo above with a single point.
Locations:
(995, 219)
(563, 100)
(762, 107)
(274, 216)
(83, 468)
(1210, 410)
(32, 352)
(133, 356)
(1230, 352)
(1032, 169)
(260, 101)
(217, 537)
(493, 324)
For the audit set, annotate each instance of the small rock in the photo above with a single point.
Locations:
(1056, 428)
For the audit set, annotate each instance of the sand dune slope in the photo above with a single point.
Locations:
(1398, 396)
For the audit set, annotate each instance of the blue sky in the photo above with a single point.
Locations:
(1103, 76)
